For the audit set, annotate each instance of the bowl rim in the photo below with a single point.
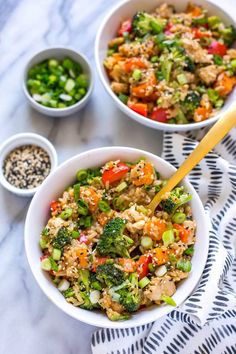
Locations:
(59, 49)
(138, 117)
(12, 143)
(106, 323)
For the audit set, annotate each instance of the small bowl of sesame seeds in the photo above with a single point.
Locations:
(26, 159)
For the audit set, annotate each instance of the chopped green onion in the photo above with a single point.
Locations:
(213, 21)
(104, 206)
(143, 282)
(168, 237)
(123, 98)
(76, 188)
(168, 300)
(70, 84)
(233, 64)
(42, 243)
(218, 60)
(146, 242)
(54, 265)
(46, 264)
(75, 234)
(81, 175)
(66, 214)
(178, 218)
(184, 265)
(118, 204)
(121, 187)
(85, 221)
(53, 63)
(154, 59)
(137, 74)
(182, 79)
(82, 207)
(110, 52)
(151, 268)
(69, 292)
(56, 254)
(189, 251)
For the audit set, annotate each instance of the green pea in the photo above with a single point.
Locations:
(66, 214)
(53, 63)
(82, 81)
(178, 218)
(68, 64)
(154, 59)
(75, 234)
(137, 74)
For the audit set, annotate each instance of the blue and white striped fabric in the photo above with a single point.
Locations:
(206, 322)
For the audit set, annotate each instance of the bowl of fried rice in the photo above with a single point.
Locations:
(168, 65)
(96, 250)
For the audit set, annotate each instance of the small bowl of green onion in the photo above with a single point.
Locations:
(58, 81)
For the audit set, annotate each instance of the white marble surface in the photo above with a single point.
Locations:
(29, 322)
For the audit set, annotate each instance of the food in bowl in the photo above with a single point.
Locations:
(57, 83)
(26, 166)
(104, 250)
(170, 67)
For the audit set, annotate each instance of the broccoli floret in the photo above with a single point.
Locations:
(109, 275)
(95, 284)
(229, 35)
(69, 292)
(116, 316)
(144, 23)
(87, 305)
(62, 238)
(189, 64)
(130, 296)
(176, 198)
(191, 102)
(84, 279)
(112, 242)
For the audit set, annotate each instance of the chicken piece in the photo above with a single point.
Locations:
(116, 42)
(165, 10)
(177, 275)
(196, 52)
(159, 287)
(119, 87)
(134, 49)
(231, 53)
(209, 73)
(107, 303)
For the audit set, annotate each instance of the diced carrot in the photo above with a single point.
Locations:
(82, 254)
(102, 218)
(89, 195)
(142, 173)
(145, 89)
(183, 233)
(134, 63)
(224, 84)
(128, 264)
(194, 10)
(159, 256)
(202, 113)
(155, 228)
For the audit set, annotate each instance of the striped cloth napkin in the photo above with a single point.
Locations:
(206, 321)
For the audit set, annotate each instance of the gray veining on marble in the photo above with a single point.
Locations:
(29, 322)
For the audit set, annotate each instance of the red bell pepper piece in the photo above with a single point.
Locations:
(217, 48)
(140, 108)
(54, 206)
(114, 174)
(199, 34)
(142, 265)
(159, 115)
(126, 26)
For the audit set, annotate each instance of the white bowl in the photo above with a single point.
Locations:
(59, 53)
(108, 30)
(19, 140)
(53, 187)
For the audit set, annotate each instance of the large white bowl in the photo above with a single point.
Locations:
(53, 187)
(108, 30)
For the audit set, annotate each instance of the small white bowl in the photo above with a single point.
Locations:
(53, 187)
(108, 30)
(59, 53)
(19, 140)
